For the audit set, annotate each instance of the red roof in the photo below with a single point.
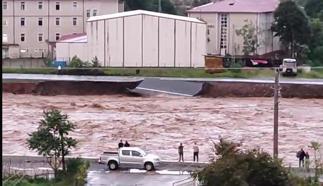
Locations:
(71, 36)
(238, 6)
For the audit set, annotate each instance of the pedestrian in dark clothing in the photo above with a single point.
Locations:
(126, 144)
(120, 144)
(301, 155)
(195, 152)
(181, 152)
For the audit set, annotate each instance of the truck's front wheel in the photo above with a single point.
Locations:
(113, 165)
(149, 166)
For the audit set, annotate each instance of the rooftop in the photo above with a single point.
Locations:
(73, 38)
(237, 6)
(144, 12)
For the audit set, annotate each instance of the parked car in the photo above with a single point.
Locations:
(130, 157)
(289, 67)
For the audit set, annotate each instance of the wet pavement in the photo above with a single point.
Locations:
(133, 179)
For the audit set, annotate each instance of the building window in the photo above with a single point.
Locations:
(74, 4)
(5, 38)
(22, 37)
(224, 31)
(74, 21)
(22, 5)
(57, 36)
(4, 5)
(40, 21)
(4, 22)
(57, 21)
(57, 5)
(40, 37)
(22, 21)
(88, 13)
(95, 12)
(40, 5)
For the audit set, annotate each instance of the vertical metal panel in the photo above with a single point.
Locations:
(132, 41)
(115, 42)
(100, 42)
(191, 44)
(150, 41)
(166, 43)
(105, 41)
(198, 44)
(182, 46)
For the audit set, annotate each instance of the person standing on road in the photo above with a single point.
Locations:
(120, 144)
(195, 152)
(300, 155)
(126, 144)
(181, 152)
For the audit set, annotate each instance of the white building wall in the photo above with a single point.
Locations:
(133, 41)
(183, 44)
(150, 41)
(146, 41)
(66, 51)
(166, 43)
(114, 45)
(198, 45)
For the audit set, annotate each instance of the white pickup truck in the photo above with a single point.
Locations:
(130, 157)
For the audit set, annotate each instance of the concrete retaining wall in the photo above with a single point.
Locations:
(239, 89)
(23, 63)
(68, 87)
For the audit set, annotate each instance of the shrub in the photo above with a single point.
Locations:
(78, 63)
(236, 167)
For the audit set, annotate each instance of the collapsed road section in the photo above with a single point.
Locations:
(41, 84)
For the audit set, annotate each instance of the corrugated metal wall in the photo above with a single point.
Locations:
(147, 41)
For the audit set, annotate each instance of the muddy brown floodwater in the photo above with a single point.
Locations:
(159, 123)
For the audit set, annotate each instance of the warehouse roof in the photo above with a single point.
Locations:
(237, 6)
(144, 12)
(73, 38)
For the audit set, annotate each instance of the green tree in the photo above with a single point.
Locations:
(200, 2)
(95, 62)
(291, 26)
(236, 167)
(313, 8)
(250, 41)
(151, 5)
(78, 63)
(51, 138)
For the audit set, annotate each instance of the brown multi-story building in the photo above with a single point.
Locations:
(31, 27)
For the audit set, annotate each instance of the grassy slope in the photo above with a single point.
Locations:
(175, 72)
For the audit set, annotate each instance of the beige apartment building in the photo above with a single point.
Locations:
(31, 27)
(225, 17)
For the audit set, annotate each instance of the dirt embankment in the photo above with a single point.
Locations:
(68, 87)
(223, 89)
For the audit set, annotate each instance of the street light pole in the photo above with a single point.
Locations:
(276, 102)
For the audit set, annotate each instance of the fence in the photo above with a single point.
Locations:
(23, 168)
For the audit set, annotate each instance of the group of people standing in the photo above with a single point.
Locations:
(301, 155)
(126, 144)
(195, 152)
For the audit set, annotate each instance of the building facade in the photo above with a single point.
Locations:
(32, 27)
(139, 39)
(225, 17)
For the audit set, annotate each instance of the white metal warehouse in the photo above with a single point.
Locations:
(144, 39)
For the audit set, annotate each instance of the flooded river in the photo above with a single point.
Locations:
(159, 123)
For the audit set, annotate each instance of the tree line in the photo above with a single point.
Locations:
(300, 29)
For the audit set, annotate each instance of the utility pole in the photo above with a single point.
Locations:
(159, 6)
(276, 102)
